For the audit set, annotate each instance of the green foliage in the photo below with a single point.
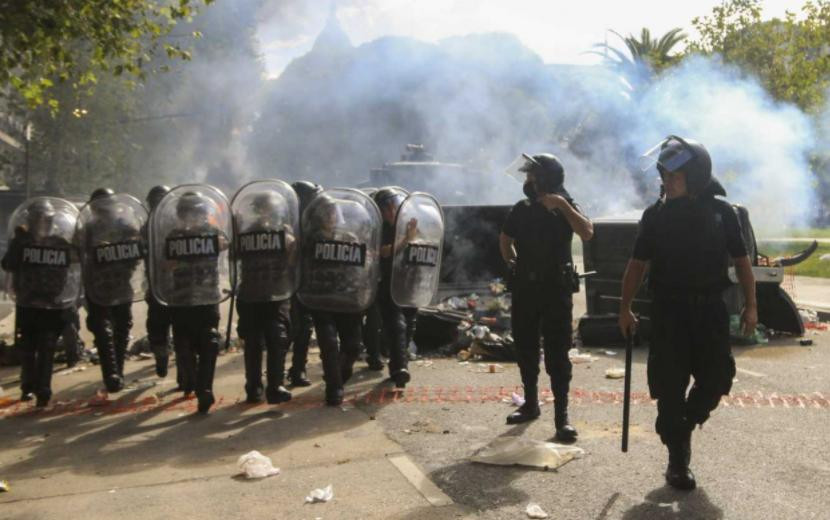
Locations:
(44, 41)
(790, 56)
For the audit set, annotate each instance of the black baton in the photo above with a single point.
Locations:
(230, 322)
(629, 342)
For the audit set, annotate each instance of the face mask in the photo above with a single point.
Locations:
(529, 190)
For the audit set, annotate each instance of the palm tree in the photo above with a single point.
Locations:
(646, 55)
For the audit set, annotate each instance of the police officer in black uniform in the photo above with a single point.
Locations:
(394, 322)
(262, 320)
(536, 244)
(686, 239)
(301, 318)
(109, 324)
(39, 325)
(196, 334)
(159, 322)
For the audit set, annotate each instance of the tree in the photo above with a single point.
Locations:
(646, 56)
(44, 42)
(790, 56)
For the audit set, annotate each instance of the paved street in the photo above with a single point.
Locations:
(145, 454)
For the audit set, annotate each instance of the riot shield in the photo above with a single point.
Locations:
(43, 257)
(266, 237)
(416, 261)
(190, 237)
(112, 248)
(340, 262)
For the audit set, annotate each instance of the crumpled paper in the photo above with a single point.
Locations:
(256, 465)
(320, 495)
(535, 511)
(511, 451)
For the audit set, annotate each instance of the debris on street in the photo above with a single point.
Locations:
(535, 511)
(256, 465)
(320, 495)
(615, 373)
(4, 486)
(513, 451)
(577, 357)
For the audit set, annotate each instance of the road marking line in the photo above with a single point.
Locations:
(750, 372)
(419, 481)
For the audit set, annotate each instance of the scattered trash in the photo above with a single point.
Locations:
(489, 368)
(4, 486)
(256, 465)
(535, 511)
(67, 371)
(320, 495)
(514, 399)
(576, 357)
(737, 336)
(805, 342)
(610, 352)
(615, 373)
(511, 451)
(112, 491)
(464, 355)
(425, 363)
(825, 257)
(145, 355)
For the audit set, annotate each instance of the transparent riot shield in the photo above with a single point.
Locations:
(190, 235)
(266, 237)
(340, 259)
(113, 249)
(42, 256)
(416, 261)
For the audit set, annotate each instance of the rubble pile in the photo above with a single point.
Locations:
(471, 327)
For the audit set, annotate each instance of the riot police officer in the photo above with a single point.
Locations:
(112, 251)
(687, 239)
(190, 273)
(158, 321)
(43, 263)
(266, 216)
(393, 320)
(536, 244)
(341, 239)
(301, 319)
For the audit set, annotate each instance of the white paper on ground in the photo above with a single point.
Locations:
(510, 451)
(256, 465)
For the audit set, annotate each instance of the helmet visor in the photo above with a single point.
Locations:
(670, 154)
(520, 166)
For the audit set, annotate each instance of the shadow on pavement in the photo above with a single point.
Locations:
(670, 504)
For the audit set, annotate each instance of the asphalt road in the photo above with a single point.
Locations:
(144, 454)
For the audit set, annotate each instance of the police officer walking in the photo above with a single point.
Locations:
(112, 252)
(536, 244)
(686, 240)
(301, 319)
(159, 321)
(266, 218)
(46, 280)
(190, 234)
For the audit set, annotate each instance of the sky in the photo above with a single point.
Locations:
(560, 31)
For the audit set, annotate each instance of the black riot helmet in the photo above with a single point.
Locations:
(155, 195)
(191, 206)
(100, 193)
(547, 170)
(39, 216)
(306, 190)
(675, 154)
(267, 203)
(389, 200)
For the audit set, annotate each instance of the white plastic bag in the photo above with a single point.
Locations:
(511, 451)
(320, 495)
(535, 511)
(256, 465)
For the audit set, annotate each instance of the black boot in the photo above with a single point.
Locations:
(109, 366)
(334, 395)
(678, 474)
(401, 378)
(374, 363)
(45, 361)
(162, 358)
(28, 371)
(298, 377)
(253, 370)
(564, 431)
(529, 411)
(205, 372)
(275, 392)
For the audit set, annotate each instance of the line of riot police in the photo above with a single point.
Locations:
(347, 256)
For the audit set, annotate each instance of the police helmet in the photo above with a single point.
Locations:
(306, 190)
(101, 193)
(688, 156)
(190, 204)
(548, 171)
(155, 195)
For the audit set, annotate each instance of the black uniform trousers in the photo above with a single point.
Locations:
(541, 307)
(302, 325)
(268, 325)
(196, 340)
(690, 338)
(110, 324)
(338, 357)
(372, 327)
(39, 330)
(394, 331)
(159, 324)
